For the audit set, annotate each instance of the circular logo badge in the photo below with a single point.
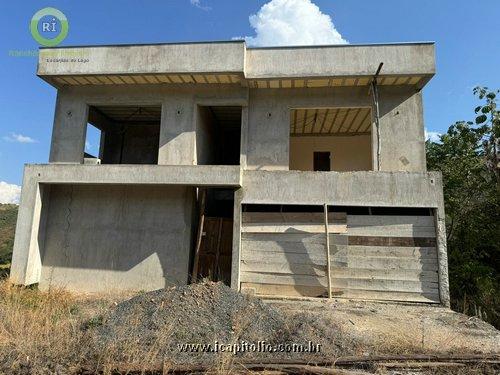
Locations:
(52, 30)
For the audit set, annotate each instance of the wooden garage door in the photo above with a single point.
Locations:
(373, 257)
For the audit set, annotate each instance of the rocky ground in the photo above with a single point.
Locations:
(209, 326)
(161, 323)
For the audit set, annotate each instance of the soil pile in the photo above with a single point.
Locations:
(196, 323)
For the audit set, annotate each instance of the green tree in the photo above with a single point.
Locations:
(468, 156)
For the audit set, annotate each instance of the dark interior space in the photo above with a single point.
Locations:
(214, 240)
(218, 135)
(130, 134)
(350, 210)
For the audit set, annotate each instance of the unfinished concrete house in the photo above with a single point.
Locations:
(291, 171)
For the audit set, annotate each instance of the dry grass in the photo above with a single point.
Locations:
(56, 333)
(40, 333)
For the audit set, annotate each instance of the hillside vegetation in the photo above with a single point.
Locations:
(8, 217)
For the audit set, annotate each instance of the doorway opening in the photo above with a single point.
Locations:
(214, 239)
(218, 135)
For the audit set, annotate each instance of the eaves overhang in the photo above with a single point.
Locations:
(234, 63)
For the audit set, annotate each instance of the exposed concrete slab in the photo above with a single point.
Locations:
(154, 58)
(234, 57)
(340, 60)
(190, 175)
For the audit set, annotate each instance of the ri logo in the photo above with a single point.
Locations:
(49, 27)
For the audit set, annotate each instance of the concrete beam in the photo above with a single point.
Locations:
(233, 57)
(344, 60)
(189, 175)
(143, 59)
(383, 189)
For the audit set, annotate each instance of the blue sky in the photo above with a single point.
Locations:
(467, 36)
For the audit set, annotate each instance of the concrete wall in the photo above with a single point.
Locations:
(178, 124)
(352, 153)
(401, 124)
(101, 238)
(402, 139)
(131, 144)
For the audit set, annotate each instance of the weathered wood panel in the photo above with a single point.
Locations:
(280, 222)
(378, 257)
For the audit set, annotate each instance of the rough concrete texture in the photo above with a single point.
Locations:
(164, 58)
(101, 238)
(384, 189)
(345, 60)
(401, 123)
(30, 229)
(177, 145)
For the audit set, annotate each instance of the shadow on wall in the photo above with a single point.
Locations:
(306, 259)
(99, 238)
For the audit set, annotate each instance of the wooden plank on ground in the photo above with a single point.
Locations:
(390, 296)
(285, 290)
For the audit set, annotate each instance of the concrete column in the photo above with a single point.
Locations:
(177, 132)
(69, 130)
(30, 230)
(235, 260)
(439, 215)
(244, 137)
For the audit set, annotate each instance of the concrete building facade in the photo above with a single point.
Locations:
(310, 166)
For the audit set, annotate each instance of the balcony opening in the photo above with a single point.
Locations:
(331, 139)
(218, 135)
(129, 134)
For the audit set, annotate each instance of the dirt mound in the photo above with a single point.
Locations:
(196, 323)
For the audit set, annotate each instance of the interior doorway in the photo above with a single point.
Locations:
(214, 239)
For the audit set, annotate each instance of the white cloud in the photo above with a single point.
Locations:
(432, 136)
(197, 3)
(14, 137)
(9, 193)
(292, 22)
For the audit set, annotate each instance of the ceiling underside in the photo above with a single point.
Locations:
(330, 121)
(151, 79)
(129, 113)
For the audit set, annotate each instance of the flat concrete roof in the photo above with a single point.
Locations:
(232, 62)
